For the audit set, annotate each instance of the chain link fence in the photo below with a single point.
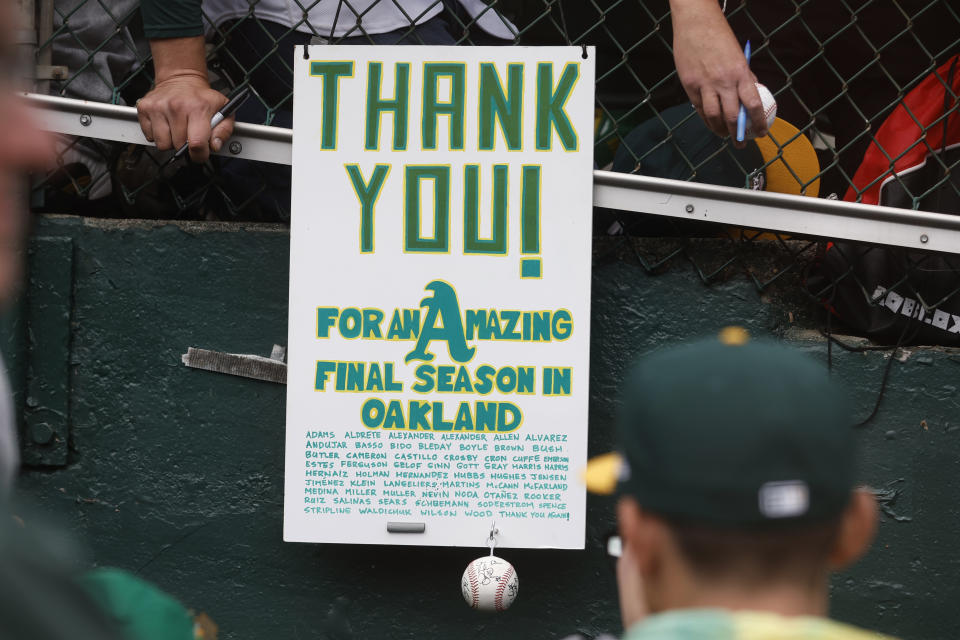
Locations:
(866, 92)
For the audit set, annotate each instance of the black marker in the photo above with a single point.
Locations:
(225, 112)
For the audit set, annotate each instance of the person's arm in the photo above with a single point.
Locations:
(179, 107)
(712, 68)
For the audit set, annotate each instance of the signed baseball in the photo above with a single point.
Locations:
(490, 584)
(769, 110)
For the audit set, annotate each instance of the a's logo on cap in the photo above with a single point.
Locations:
(734, 336)
(784, 499)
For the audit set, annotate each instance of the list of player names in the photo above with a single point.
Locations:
(421, 474)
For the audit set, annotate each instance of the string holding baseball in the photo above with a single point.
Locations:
(490, 583)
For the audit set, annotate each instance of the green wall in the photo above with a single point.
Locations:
(177, 474)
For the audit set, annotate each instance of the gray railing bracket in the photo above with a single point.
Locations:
(272, 369)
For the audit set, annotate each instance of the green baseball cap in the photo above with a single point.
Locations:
(729, 431)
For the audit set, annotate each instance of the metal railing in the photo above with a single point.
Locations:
(624, 192)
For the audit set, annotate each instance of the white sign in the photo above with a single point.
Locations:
(439, 324)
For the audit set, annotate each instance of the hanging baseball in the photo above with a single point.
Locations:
(490, 584)
(769, 111)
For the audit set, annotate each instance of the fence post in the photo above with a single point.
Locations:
(26, 41)
(44, 44)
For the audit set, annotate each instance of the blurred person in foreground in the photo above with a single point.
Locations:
(41, 597)
(38, 601)
(23, 148)
(737, 496)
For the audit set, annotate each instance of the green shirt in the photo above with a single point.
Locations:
(720, 624)
(171, 18)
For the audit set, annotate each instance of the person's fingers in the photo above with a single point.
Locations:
(161, 132)
(730, 106)
(750, 98)
(693, 93)
(198, 136)
(145, 124)
(178, 121)
(221, 133)
(712, 114)
(696, 101)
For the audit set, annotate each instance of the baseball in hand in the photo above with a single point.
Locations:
(490, 584)
(769, 111)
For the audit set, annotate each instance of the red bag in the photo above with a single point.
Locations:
(894, 294)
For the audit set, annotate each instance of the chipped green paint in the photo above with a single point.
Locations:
(178, 473)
